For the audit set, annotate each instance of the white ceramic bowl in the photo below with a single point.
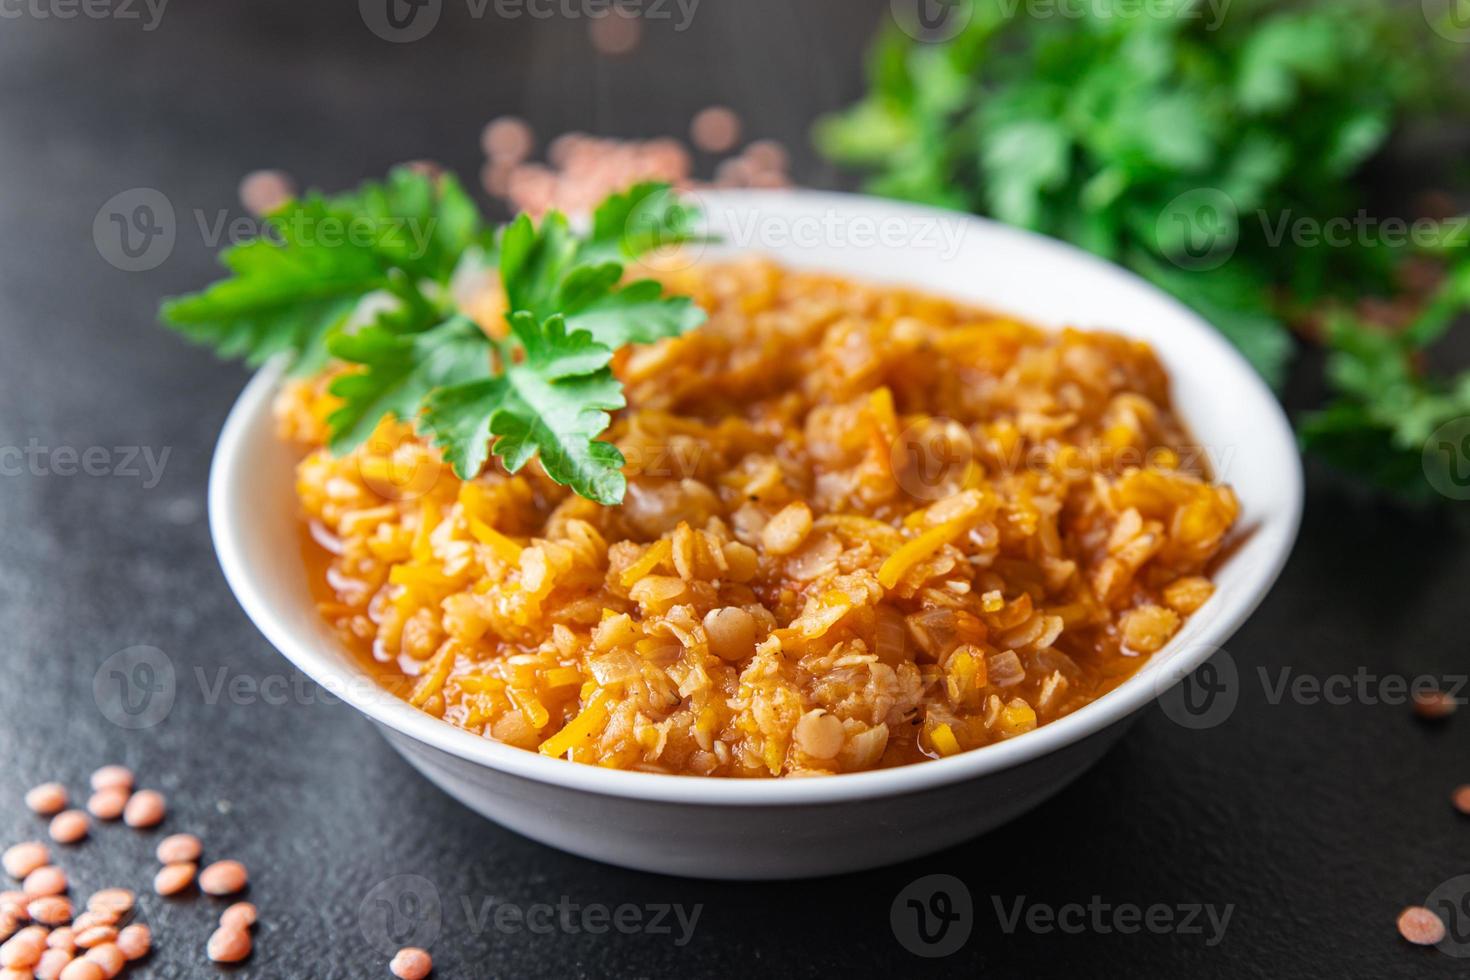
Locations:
(766, 829)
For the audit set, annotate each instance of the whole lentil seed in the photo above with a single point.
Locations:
(135, 941)
(241, 915)
(223, 878)
(83, 970)
(145, 808)
(228, 945)
(174, 878)
(69, 826)
(1420, 926)
(48, 799)
(177, 848)
(109, 957)
(22, 949)
(51, 963)
(411, 963)
(45, 880)
(118, 901)
(21, 859)
(108, 804)
(50, 910)
(96, 936)
(112, 777)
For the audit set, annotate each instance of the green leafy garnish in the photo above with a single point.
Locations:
(1386, 406)
(542, 391)
(297, 284)
(552, 404)
(1183, 142)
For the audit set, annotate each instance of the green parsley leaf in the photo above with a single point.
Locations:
(551, 405)
(543, 392)
(299, 283)
(400, 371)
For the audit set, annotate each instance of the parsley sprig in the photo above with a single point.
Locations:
(543, 390)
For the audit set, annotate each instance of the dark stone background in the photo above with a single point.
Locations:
(1316, 822)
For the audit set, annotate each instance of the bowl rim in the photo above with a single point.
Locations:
(1139, 690)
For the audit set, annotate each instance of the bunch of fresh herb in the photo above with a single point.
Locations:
(1180, 139)
(543, 389)
(1386, 407)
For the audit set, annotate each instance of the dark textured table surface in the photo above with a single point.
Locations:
(1310, 824)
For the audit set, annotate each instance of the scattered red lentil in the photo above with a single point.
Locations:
(83, 970)
(616, 32)
(63, 938)
(112, 777)
(241, 915)
(1420, 926)
(715, 129)
(91, 920)
(179, 847)
(24, 948)
(145, 808)
(50, 910)
(1460, 798)
(174, 878)
(52, 963)
(69, 826)
(768, 156)
(48, 799)
(20, 860)
(262, 191)
(135, 941)
(1433, 705)
(48, 879)
(411, 963)
(228, 945)
(96, 936)
(118, 901)
(223, 878)
(108, 804)
(507, 140)
(109, 957)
